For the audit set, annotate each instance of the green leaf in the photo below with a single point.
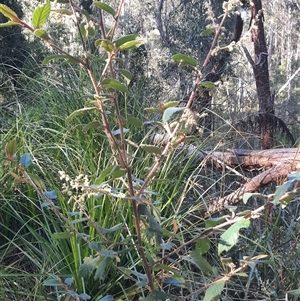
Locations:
(63, 11)
(37, 181)
(206, 32)
(8, 24)
(248, 195)
(42, 34)
(9, 13)
(199, 261)
(101, 271)
(105, 44)
(125, 73)
(51, 282)
(131, 44)
(181, 58)
(202, 245)
(80, 112)
(153, 110)
(110, 230)
(176, 282)
(134, 121)
(115, 84)
(52, 195)
(84, 296)
(25, 160)
(92, 125)
(214, 221)
(214, 290)
(158, 296)
(151, 149)
(169, 112)
(105, 7)
(208, 85)
(125, 39)
(294, 176)
(230, 237)
(79, 220)
(61, 235)
(281, 191)
(171, 104)
(11, 148)
(41, 14)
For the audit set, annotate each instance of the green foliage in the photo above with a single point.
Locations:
(95, 209)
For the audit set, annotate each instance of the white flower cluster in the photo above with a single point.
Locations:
(77, 189)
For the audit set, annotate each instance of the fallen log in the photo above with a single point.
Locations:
(276, 164)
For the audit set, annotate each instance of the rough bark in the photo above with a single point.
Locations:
(261, 73)
(276, 163)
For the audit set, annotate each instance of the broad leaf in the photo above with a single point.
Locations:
(125, 39)
(37, 181)
(84, 296)
(214, 290)
(115, 84)
(69, 281)
(52, 195)
(248, 195)
(42, 34)
(207, 84)
(11, 148)
(281, 191)
(230, 237)
(181, 58)
(206, 32)
(106, 298)
(79, 220)
(199, 261)
(57, 57)
(105, 7)
(105, 44)
(134, 121)
(169, 112)
(171, 104)
(158, 296)
(110, 230)
(41, 14)
(125, 73)
(202, 245)
(131, 44)
(51, 282)
(80, 112)
(151, 149)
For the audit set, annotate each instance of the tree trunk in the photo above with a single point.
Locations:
(261, 74)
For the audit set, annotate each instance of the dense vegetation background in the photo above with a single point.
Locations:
(59, 239)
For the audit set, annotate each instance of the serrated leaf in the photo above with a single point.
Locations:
(105, 7)
(214, 290)
(230, 237)
(169, 112)
(206, 32)
(181, 58)
(106, 298)
(115, 84)
(41, 14)
(25, 160)
(42, 34)
(8, 24)
(9, 13)
(207, 84)
(52, 195)
(202, 245)
(62, 11)
(125, 39)
(61, 235)
(80, 112)
(125, 73)
(171, 104)
(105, 44)
(11, 148)
(131, 44)
(135, 121)
(101, 271)
(151, 149)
